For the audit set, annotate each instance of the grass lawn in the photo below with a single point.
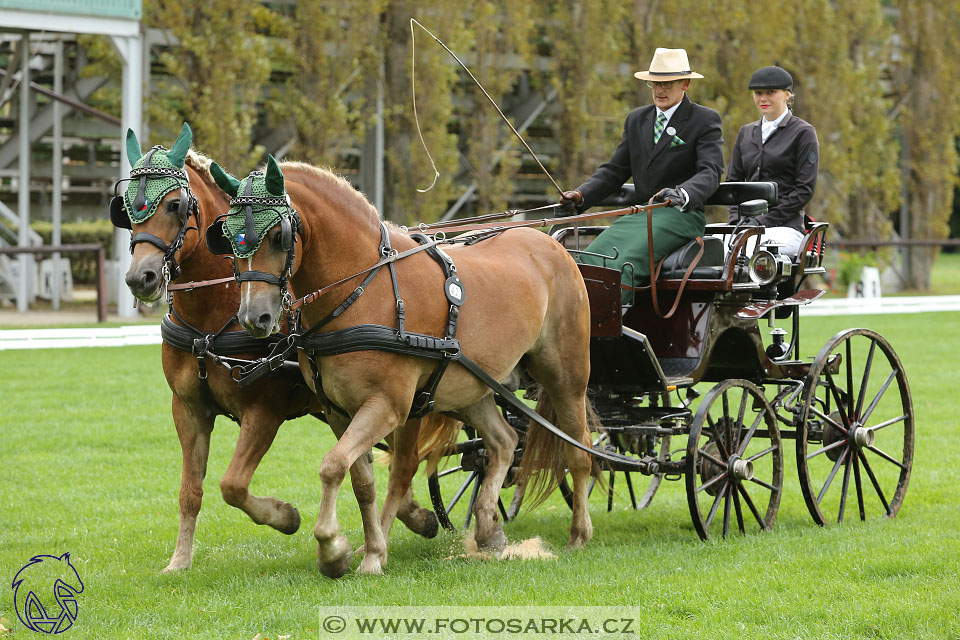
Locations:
(92, 466)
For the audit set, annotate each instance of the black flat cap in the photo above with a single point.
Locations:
(770, 78)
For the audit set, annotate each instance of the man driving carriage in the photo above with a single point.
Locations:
(672, 150)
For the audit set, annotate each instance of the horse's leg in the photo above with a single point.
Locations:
(369, 425)
(193, 430)
(500, 440)
(403, 466)
(566, 387)
(257, 432)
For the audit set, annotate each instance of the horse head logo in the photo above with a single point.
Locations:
(40, 582)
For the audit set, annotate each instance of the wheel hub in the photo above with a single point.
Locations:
(862, 437)
(741, 469)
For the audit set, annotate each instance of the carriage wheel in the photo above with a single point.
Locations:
(734, 461)
(621, 486)
(453, 488)
(856, 420)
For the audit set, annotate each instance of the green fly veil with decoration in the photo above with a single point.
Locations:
(153, 175)
(258, 202)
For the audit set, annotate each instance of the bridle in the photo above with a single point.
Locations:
(120, 211)
(290, 226)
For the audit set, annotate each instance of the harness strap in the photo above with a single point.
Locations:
(654, 273)
(190, 286)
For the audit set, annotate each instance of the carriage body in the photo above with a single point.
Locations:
(651, 383)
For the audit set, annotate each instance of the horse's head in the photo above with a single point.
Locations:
(261, 232)
(158, 183)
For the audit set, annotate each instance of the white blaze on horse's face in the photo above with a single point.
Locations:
(261, 303)
(145, 276)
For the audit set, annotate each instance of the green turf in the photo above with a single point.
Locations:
(91, 465)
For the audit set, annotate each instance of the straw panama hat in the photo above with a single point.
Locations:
(668, 64)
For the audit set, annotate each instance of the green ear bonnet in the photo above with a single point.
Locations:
(259, 202)
(154, 174)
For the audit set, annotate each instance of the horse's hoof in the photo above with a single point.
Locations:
(371, 566)
(176, 565)
(496, 543)
(338, 557)
(289, 521)
(425, 523)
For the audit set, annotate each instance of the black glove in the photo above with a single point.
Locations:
(569, 201)
(673, 197)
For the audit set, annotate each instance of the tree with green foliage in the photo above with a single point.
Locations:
(218, 65)
(328, 51)
(924, 73)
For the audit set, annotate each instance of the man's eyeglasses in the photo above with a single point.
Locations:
(662, 85)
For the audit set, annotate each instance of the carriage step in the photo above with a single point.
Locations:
(678, 382)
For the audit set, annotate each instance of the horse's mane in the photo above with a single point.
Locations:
(201, 164)
(338, 185)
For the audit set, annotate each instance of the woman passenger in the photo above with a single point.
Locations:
(781, 148)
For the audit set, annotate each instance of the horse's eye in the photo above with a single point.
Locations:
(173, 206)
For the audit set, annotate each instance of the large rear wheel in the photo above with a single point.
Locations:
(856, 429)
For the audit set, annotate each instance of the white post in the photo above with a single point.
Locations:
(23, 199)
(378, 156)
(57, 173)
(131, 117)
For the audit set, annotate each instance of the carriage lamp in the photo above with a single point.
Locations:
(779, 347)
(768, 265)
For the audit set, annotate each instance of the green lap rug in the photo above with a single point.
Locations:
(627, 237)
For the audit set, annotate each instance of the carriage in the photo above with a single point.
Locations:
(651, 380)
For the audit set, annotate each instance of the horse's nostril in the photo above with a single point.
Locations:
(265, 321)
(149, 278)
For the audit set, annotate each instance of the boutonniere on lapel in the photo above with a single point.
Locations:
(677, 140)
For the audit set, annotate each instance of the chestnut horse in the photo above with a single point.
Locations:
(525, 304)
(259, 409)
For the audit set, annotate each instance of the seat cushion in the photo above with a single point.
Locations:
(710, 265)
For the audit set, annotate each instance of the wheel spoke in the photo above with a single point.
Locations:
(768, 487)
(713, 507)
(846, 487)
(726, 510)
(889, 422)
(746, 441)
(716, 437)
(849, 346)
(711, 458)
(473, 500)
(633, 498)
(712, 481)
(750, 505)
(835, 392)
(447, 472)
(460, 491)
(503, 512)
(738, 509)
(866, 377)
(761, 454)
(833, 472)
(876, 399)
(821, 450)
(739, 423)
(887, 457)
(833, 423)
(876, 485)
(859, 485)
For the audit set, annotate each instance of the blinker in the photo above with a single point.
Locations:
(118, 214)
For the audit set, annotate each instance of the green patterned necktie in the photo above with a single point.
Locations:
(658, 127)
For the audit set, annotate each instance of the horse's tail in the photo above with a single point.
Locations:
(544, 464)
(437, 439)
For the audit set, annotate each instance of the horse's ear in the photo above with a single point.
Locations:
(274, 182)
(224, 180)
(179, 149)
(133, 147)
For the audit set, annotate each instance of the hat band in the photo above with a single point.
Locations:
(669, 73)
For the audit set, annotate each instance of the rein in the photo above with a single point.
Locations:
(545, 222)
